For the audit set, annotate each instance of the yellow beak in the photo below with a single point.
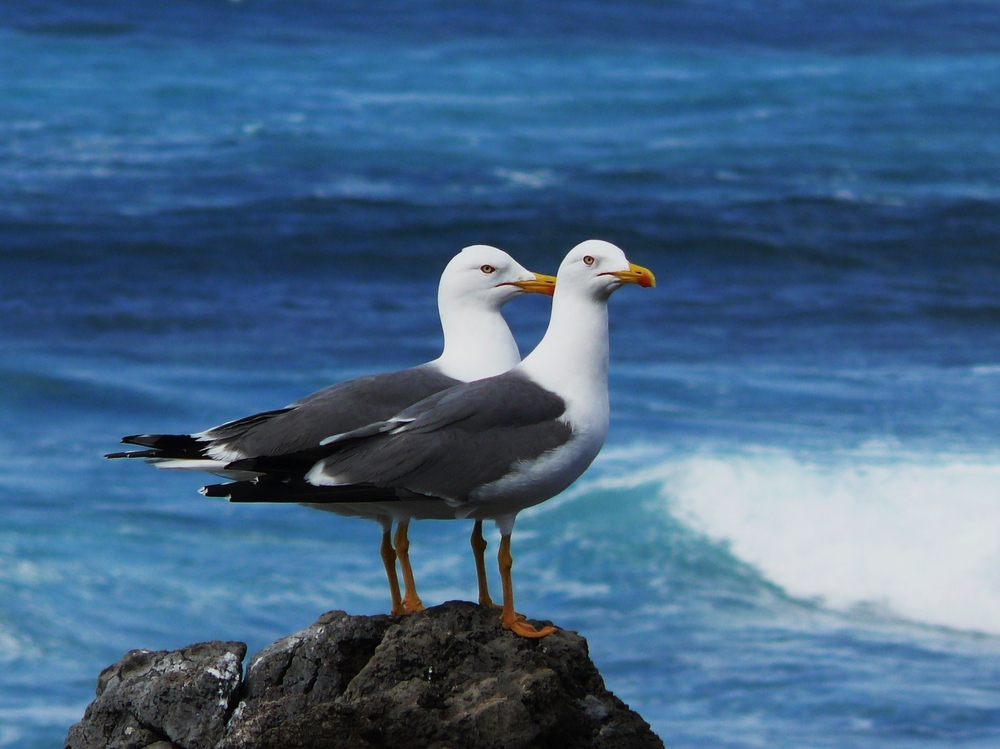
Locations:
(540, 284)
(636, 274)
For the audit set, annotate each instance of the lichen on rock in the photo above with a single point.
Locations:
(184, 697)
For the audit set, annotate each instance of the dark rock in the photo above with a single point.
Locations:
(450, 676)
(182, 696)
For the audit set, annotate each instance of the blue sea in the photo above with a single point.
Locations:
(211, 208)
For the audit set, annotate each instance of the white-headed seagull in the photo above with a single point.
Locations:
(474, 287)
(483, 450)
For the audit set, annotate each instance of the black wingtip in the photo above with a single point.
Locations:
(145, 440)
(275, 489)
(259, 489)
(286, 466)
(135, 454)
(169, 445)
(243, 464)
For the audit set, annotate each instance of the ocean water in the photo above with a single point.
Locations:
(792, 537)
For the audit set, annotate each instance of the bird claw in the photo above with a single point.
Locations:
(412, 605)
(518, 624)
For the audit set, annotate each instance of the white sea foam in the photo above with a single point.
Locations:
(918, 535)
(44, 714)
(10, 646)
(13, 720)
(536, 178)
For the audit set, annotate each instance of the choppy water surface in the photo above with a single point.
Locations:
(790, 539)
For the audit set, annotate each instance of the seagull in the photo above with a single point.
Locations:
(485, 450)
(474, 286)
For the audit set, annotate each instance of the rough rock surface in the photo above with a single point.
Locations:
(182, 696)
(450, 676)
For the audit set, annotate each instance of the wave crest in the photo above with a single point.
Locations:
(914, 535)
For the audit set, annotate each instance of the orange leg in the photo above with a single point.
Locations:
(511, 619)
(479, 549)
(411, 601)
(389, 560)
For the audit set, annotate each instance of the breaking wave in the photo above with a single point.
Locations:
(904, 535)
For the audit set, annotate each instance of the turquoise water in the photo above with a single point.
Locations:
(216, 208)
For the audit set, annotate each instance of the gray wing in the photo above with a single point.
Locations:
(456, 441)
(334, 410)
(302, 425)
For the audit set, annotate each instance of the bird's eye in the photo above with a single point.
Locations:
(588, 259)
(487, 269)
